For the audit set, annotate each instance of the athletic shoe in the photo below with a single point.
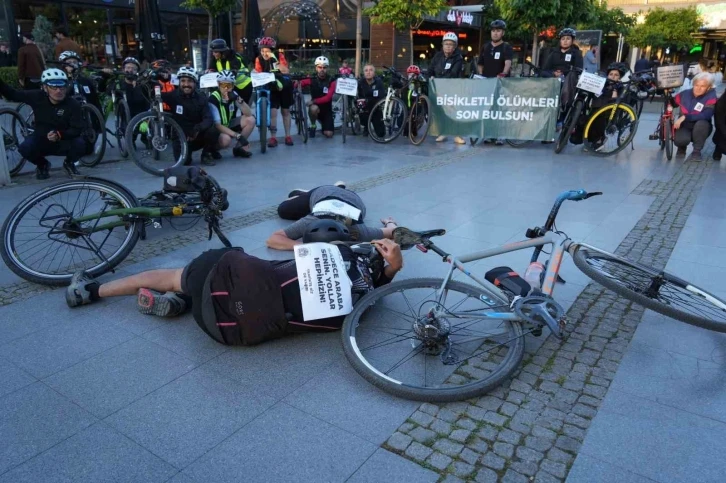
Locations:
(77, 294)
(716, 155)
(488, 141)
(296, 192)
(43, 171)
(441, 139)
(681, 152)
(459, 140)
(240, 152)
(216, 155)
(288, 141)
(311, 132)
(272, 143)
(499, 142)
(70, 168)
(207, 159)
(151, 302)
(696, 155)
(339, 184)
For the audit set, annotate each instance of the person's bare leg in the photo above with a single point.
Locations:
(164, 280)
(286, 121)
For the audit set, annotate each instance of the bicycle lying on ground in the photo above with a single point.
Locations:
(92, 224)
(436, 339)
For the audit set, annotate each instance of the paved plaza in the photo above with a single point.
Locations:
(103, 393)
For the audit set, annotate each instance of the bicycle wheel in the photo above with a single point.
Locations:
(418, 121)
(27, 115)
(517, 143)
(344, 117)
(568, 127)
(302, 118)
(657, 290)
(263, 123)
(164, 144)
(392, 342)
(123, 115)
(354, 118)
(620, 125)
(392, 121)
(42, 243)
(668, 138)
(94, 133)
(14, 131)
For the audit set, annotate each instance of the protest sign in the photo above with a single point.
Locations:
(325, 289)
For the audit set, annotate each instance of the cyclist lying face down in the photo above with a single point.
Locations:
(325, 202)
(238, 299)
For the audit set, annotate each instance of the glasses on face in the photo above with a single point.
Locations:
(55, 88)
(225, 85)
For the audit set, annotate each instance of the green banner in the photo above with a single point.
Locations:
(516, 108)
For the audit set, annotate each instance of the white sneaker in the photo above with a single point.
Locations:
(441, 138)
(339, 184)
(459, 140)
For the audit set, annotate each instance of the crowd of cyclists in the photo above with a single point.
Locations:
(216, 120)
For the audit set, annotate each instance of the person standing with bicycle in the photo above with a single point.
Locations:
(224, 104)
(281, 95)
(370, 91)
(447, 64)
(225, 59)
(495, 59)
(322, 90)
(561, 60)
(58, 123)
(71, 64)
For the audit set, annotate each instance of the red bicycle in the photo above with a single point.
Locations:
(665, 132)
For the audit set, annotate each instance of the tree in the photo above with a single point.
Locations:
(405, 15)
(667, 28)
(43, 34)
(358, 36)
(609, 20)
(213, 8)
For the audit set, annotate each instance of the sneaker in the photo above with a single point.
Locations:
(311, 132)
(459, 140)
(288, 141)
(151, 302)
(681, 152)
(696, 155)
(499, 142)
(216, 155)
(339, 184)
(441, 139)
(43, 171)
(488, 141)
(70, 169)
(296, 192)
(272, 143)
(716, 155)
(240, 152)
(77, 294)
(207, 159)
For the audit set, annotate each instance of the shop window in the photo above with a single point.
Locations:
(177, 35)
(123, 28)
(89, 28)
(25, 13)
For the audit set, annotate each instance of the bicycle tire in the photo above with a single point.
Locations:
(303, 118)
(624, 288)
(511, 360)
(518, 143)
(392, 130)
(9, 250)
(355, 126)
(99, 145)
(26, 114)
(661, 134)
(414, 116)
(263, 124)
(668, 139)
(568, 126)
(616, 117)
(13, 135)
(169, 122)
(344, 116)
(123, 116)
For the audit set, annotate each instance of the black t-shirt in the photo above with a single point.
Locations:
(492, 58)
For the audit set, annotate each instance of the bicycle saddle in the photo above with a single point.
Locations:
(408, 238)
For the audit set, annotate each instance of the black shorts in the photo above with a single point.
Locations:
(245, 94)
(283, 98)
(295, 208)
(325, 117)
(194, 276)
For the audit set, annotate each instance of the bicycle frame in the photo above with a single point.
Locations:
(261, 92)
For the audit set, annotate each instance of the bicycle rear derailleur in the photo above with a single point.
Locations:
(433, 335)
(540, 310)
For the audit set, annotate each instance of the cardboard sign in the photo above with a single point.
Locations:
(259, 79)
(347, 87)
(591, 83)
(337, 207)
(208, 81)
(325, 289)
(669, 76)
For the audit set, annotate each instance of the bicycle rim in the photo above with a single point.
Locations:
(13, 131)
(41, 243)
(657, 290)
(418, 121)
(94, 133)
(155, 142)
(619, 130)
(567, 127)
(390, 341)
(668, 139)
(391, 122)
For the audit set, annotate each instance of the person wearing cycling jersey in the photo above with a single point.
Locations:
(224, 58)
(224, 104)
(370, 91)
(58, 123)
(269, 290)
(190, 109)
(495, 59)
(320, 106)
(561, 61)
(447, 64)
(281, 92)
(71, 64)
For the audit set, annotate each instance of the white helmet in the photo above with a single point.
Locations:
(225, 76)
(53, 77)
(187, 72)
(322, 60)
(451, 36)
(68, 54)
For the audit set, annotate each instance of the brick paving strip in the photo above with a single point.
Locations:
(146, 249)
(531, 428)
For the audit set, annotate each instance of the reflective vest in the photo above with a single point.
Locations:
(225, 112)
(242, 79)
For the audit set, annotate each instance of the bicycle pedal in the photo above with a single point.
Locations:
(653, 137)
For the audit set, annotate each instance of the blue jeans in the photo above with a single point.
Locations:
(37, 146)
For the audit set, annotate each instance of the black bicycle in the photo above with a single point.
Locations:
(298, 110)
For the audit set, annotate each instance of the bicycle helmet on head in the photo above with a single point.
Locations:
(161, 64)
(68, 54)
(450, 36)
(267, 42)
(568, 32)
(187, 72)
(54, 77)
(225, 76)
(322, 60)
(413, 69)
(131, 60)
(326, 231)
(498, 24)
(218, 45)
(619, 66)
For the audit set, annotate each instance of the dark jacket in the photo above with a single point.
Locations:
(719, 121)
(30, 62)
(642, 64)
(191, 112)
(558, 60)
(65, 117)
(87, 88)
(228, 61)
(371, 92)
(135, 97)
(439, 63)
(696, 108)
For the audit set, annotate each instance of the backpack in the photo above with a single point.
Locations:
(184, 179)
(242, 301)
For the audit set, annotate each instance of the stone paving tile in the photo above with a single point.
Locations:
(532, 427)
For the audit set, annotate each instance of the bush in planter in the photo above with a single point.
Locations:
(9, 75)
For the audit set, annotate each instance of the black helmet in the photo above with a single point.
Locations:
(568, 32)
(218, 45)
(326, 231)
(619, 66)
(498, 24)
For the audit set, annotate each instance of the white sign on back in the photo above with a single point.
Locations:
(208, 80)
(591, 83)
(346, 86)
(337, 207)
(325, 289)
(669, 76)
(261, 78)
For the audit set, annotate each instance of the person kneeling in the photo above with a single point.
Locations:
(696, 108)
(238, 299)
(223, 103)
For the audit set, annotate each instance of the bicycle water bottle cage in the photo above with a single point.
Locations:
(540, 310)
